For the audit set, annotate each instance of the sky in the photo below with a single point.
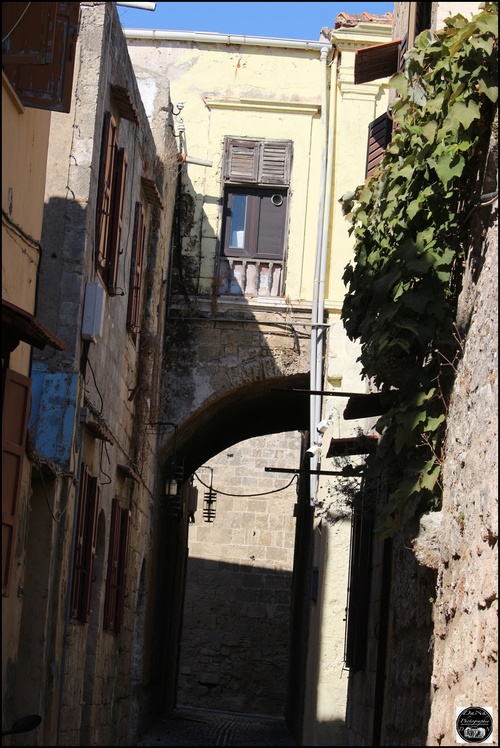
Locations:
(289, 20)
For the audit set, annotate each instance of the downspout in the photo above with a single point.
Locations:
(318, 328)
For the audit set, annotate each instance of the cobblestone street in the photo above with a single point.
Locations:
(199, 727)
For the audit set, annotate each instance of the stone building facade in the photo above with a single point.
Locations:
(432, 616)
(85, 534)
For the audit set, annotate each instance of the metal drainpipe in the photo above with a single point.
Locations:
(214, 38)
(139, 6)
(320, 263)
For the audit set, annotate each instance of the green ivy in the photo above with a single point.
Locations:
(409, 222)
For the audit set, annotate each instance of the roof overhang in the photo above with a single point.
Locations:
(19, 325)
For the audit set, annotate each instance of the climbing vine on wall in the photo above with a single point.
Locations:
(410, 224)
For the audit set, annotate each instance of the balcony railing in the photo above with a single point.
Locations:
(248, 277)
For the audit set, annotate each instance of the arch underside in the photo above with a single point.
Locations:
(256, 409)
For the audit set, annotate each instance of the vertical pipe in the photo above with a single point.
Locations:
(326, 233)
(315, 331)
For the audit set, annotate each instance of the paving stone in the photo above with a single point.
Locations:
(205, 727)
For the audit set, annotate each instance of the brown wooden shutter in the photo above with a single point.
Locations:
(258, 162)
(275, 163)
(134, 298)
(105, 188)
(379, 135)
(359, 586)
(402, 50)
(113, 561)
(118, 199)
(28, 33)
(15, 414)
(89, 546)
(272, 214)
(122, 568)
(38, 55)
(78, 560)
(242, 160)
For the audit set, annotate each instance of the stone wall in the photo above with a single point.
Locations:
(235, 645)
(461, 541)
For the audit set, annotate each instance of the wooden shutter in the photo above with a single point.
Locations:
(272, 215)
(28, 33)
(85, 545)
(105, 188)
(89, 546)
(134, 298)
(122, 568)
(379, 135)
(117, 201)
(15, 413)
(402, 50)
(38, 55)
(242, 160)
(113, 562)
(78, 560)
(359, 587)
(258, 162)
(275, 163)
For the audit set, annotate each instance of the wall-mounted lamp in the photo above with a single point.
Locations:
(172, 491)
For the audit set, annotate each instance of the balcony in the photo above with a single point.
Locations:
(249, 277)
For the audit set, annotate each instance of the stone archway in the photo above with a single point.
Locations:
(221, 379)
(273, 405)
(266, 407)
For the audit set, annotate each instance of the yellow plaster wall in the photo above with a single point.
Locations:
(273, 93)
(243, 91)
(24, 156)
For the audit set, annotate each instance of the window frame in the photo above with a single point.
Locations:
(85, 545)
(258, 169)
(110, 204)
(16, 403)
(116, 578)
(255, 196)
(136, 268)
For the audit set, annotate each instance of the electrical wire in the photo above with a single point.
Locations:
(16, 23)
(247, 495)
